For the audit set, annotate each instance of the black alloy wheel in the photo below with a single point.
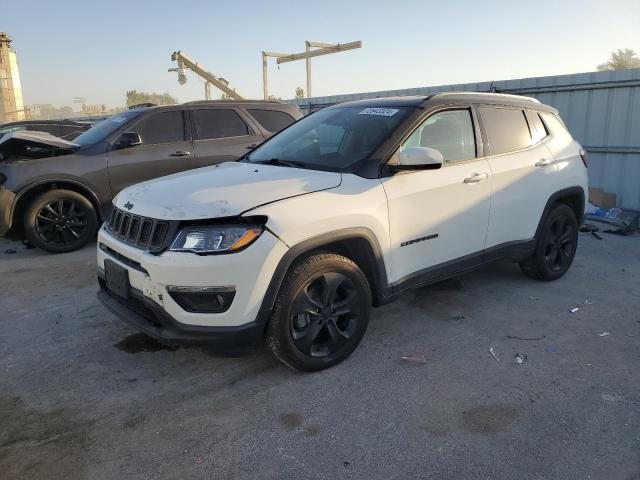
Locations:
(556, 245)
(325, 315)
(561, 244)
(60, 221)
(321, 312)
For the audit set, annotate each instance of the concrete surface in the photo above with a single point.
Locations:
(84, 396)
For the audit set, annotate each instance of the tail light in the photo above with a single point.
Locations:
(583, 156)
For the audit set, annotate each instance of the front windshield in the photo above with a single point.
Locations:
(100, 131)
(331, 139)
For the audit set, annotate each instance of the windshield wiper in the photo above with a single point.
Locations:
(283, 163)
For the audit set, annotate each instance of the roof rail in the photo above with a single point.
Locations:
(143, 105)
(504, 95)
(233, 100)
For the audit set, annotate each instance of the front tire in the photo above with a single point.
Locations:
(321, 312)
(60, 221)
(555, 247)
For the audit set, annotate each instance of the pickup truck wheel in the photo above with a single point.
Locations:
(60, 221)
(555, 247)
(321, 312)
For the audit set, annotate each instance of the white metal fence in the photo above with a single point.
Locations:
(602, 110)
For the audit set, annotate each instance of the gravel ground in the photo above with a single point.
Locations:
(85, 396)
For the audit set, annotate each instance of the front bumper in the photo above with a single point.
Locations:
(152, 310)
(147, 316)
(7, 197)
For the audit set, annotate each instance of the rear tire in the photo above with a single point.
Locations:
(60, 221)
(555, 247)
(321, 312)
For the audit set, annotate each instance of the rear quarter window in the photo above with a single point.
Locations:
(272, 120)
(538, 129)
(554, 125)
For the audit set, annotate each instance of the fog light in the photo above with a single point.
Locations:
(203, 299)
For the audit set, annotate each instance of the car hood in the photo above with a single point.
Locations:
(24, 144)
(224, 190)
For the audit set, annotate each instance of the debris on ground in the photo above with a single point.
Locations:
(592, 229)
(587, 302)
(414, 358)
(515, 337)
(520, 358)
(625, 222)
(574, 309)
(552, 349)
(603, 334)
(533, 298)
(458, 316)
(10, 251)
(493, 353)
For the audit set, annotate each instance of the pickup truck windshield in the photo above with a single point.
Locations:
(100, 131)
(331, 139)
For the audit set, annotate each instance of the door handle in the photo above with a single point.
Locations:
(254, 145)
(180, 153)
(543, 162)
(476, 177)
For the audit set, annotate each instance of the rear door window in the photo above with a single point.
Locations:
(272, 120)
(219, 123)
(507, 129)
(162, 127)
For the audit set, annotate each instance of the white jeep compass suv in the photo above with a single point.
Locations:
(339, 212)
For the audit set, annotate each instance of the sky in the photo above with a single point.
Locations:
(99, 50)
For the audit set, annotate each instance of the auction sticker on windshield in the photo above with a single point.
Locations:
(385, 112)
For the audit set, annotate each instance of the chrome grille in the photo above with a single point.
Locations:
(141, 232)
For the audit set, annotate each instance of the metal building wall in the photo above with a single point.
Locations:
(602, 110)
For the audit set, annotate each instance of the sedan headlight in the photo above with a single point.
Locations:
(215, 238)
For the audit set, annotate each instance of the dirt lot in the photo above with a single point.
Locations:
(84, 396)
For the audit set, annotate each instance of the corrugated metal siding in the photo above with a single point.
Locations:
(602, 110)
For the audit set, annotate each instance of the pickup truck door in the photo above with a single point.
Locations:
(165, 149)
(221, 134)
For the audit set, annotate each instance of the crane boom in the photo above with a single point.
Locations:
(184, 61)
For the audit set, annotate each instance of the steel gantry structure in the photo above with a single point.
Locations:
(320, 49)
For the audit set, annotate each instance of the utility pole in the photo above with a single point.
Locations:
(321, 49)
(265, 71)
(307, 49)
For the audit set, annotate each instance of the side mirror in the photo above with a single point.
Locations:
(128, 139)
(419, 158)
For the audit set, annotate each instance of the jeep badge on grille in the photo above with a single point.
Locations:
(128, 205)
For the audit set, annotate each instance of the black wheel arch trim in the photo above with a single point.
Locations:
(373, 258)
(553, 199)
(50, 181)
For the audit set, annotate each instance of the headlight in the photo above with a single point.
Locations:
(215, 238)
